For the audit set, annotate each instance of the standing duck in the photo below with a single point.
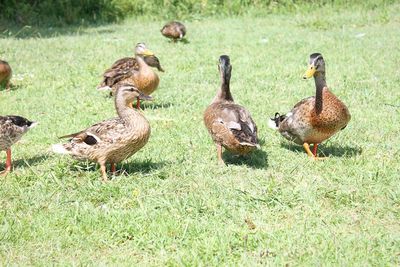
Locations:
(134, 70)
(112, 140)
(316, 118)
(174, 30)
(11, 130)
(229, 124)
(5, 74)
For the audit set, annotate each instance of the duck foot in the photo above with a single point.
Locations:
(313, 154)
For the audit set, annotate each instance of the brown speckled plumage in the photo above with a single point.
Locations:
(5, 74)
(12, 128)
(174, 30)
(135, 70)
(230, 124)
(113, 140)
(316, 118)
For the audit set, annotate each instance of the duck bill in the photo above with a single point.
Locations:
(145, 97)
(310, 72)
(148, 52)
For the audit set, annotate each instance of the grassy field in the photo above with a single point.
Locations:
(174, 205)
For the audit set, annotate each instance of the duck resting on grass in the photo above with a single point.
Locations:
(174, 30)
(11, 130)
(5, 74)
(134, 70)
(113, 140)
(229, 124)
(316, 118)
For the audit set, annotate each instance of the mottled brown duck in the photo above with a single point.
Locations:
(135, 70)
(113, 140)
(174, 30)
(230, 125)
(316, 118)
(5, 74)
(11, 130)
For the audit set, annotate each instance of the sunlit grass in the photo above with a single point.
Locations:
(174, 205)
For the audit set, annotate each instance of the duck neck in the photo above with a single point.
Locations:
(129, 115)
(141, 63)
(320, 84)
(224, 93)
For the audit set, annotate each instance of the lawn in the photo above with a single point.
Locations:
(173, 204)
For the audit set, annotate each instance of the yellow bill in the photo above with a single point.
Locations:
(147, 52)
(310, 71)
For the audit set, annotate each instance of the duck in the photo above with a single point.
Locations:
(174, 30)
(5, 74)
(229, 124)
(136, 70)
(316, 118)
(12, 128)
(113, 140)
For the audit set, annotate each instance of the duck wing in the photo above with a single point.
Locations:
(120, 70)
(238, 121)
(105, 131)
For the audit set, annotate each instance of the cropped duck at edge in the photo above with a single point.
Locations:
(316, 118)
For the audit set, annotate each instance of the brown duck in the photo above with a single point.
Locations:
(174, 30)
(5, 74)
(313, 119)
(11, 130)
(229, 124)
(134, 70)
(113, 140)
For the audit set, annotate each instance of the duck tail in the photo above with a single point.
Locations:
(274, 122)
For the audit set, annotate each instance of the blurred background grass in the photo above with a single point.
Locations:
(83, 12)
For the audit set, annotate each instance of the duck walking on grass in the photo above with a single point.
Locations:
(5, 74)
(11, 130)
(229, 124)
(134, 70)
(113, 140)
(174, 30)
(316, 118)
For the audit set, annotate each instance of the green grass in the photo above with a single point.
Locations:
(175, 205)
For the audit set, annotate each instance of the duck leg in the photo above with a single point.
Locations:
(8, 86)
(219, 154)
(315, 148)
(306, 147)
(8, 163)
(113, 168)
(103, 172)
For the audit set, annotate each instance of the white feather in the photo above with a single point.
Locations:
(104, 88)
(33, 124)
(272, 124)
(59, 149)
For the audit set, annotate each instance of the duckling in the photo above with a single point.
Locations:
(134, 70)
(5, 74)
(230, 125)
(12, 128)
(316, 118)
(112, 140)
(174, 30)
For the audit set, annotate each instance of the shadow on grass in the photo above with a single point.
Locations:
(328, 151)
(27, 31)
(257, 159)
(151, 105)
(125, 168)
(26, 162)
(13, 87)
